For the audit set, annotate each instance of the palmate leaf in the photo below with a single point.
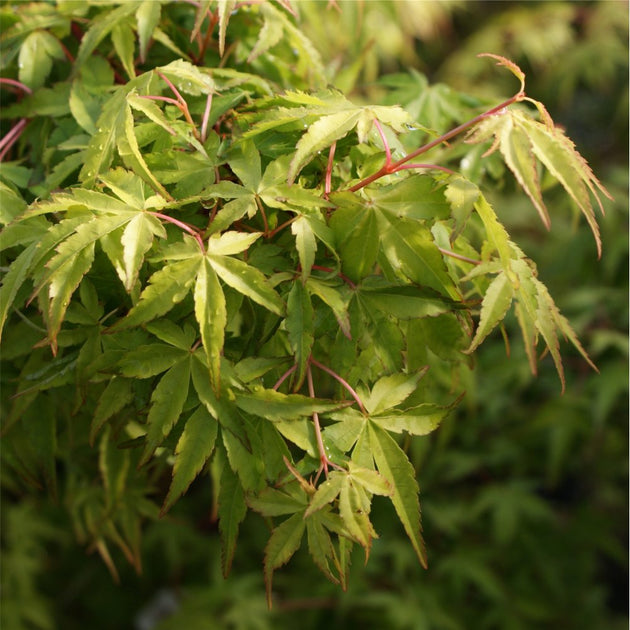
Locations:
(390, 391)
(522, 140)
(72, 261)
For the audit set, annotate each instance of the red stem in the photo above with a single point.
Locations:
(389, 168)
(285, 376)
(12, 137)
(331, 270)
(323, 458)
(428, 166)
(281, 227)
(341, 380)
(184, 226)
(388, 153)
(447, 252)
(17, 84)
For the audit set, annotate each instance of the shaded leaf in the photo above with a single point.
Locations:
(167, 403)
(393, 464)
(299, 325)
(232, 510)
(283, 543)
(496, 302)
(193, 450)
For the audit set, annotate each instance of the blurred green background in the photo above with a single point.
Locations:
(524, 490)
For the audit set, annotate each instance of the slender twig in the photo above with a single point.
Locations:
(281, 227)
(184, 226)
(388, 153)
(17, 84)
(166, 99)
(447, 252)
(389, 168)
(323, 458)
(285, 376)
(428, 167)
(12, 137)
(341, 380)
(181, 104)
(331, 270)
(263, 214)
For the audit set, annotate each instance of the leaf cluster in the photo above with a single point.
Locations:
(215, 262)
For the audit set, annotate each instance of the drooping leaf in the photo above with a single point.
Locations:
(305, 245)
(496, 302)
(147, 17)
(211, 315)
(283, 543)
(320, 546)
(225, 8)
(299, 325)
(167, 403)
(115, 396)
(231, 509)
(354, 509)
(393, 464)
(193, 450)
